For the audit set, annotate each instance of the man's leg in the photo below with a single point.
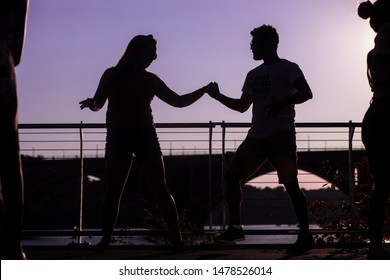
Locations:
(299, 203)
(245, 162)
(284, 158)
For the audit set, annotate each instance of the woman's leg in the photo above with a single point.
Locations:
(375, 119)
(154, 172)
(381, 192)
(117, 172)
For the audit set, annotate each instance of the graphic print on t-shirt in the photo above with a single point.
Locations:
(261, 87)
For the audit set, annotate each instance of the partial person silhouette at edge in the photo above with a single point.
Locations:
(129, 89)
(376, 121)
(273, 88)
(13, 15)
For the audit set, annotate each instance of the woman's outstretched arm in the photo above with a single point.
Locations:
(172, 98)
(100, 97)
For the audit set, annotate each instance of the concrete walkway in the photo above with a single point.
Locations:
(196, 252)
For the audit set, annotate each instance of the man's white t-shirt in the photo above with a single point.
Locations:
(268, 84)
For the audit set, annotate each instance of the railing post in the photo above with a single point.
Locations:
(351, 174)
(79, 239)
(210, 174)
(223, 176)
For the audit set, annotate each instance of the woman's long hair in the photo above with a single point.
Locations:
(134, 46)
(129, 56)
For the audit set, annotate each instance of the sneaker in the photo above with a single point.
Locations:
(230, 236)
(178, 247)
(378, 253)
(304, 243)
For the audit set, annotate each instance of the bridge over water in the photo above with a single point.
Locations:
(191, 176)
(197, 168)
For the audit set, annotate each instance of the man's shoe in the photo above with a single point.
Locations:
(378, 253)
(304, 243)
(230, 236)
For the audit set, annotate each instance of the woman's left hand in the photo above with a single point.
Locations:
(86, 103)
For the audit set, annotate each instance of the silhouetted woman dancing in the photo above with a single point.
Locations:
(377, 120)
(130, 88)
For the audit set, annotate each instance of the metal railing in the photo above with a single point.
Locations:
(82, 140)
(62, 140)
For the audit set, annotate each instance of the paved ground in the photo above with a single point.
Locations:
(195, 252)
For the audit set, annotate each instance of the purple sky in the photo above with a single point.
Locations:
(70, 43)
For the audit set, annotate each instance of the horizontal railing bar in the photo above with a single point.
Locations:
(298, 124)
(52, 141)
(59, 125)
(136, 232)
(102, 125)
(62, 132)
(172, 149)
(184, 125)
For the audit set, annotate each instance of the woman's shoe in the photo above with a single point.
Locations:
(178, 247)
(101, 247)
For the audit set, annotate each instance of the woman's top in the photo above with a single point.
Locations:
(129, 98)
(376, 64)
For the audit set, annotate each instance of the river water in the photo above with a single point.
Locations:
(143, 240)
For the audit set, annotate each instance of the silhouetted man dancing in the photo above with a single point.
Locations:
(273, 88)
